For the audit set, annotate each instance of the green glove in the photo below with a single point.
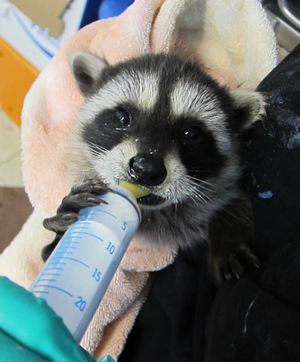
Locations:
(30, 330)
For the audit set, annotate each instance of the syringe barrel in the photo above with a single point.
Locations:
(78, 272)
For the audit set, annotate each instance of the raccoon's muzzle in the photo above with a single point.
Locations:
(147, 170)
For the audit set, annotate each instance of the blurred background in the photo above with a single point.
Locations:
(31, 32)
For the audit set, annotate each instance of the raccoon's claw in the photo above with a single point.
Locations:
(75, 202)
(232, 264)
(60, 222)
(90, 186)
(85, 195)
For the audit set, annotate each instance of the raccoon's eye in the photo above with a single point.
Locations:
(191, 134)
(124, 118)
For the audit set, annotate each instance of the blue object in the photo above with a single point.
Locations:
(265, 195)
(110, 8)
(30, 331)
(90, 13)
(78, 272)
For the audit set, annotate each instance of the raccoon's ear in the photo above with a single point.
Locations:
(249, 108)
(87, 70)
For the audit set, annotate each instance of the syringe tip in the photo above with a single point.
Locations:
(136, 190)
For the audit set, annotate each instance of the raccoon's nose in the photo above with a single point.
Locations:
(147, 170)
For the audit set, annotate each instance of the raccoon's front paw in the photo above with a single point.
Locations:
(85, 195)
(231, 263)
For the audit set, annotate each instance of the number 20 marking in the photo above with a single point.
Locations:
(80, 304)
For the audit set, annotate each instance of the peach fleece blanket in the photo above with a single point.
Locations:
(231, 38)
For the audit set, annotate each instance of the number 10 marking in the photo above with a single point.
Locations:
(110, 248)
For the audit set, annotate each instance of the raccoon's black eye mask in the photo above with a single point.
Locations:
(124, 118)
(191, 134)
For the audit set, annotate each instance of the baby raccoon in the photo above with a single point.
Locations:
(160, 122)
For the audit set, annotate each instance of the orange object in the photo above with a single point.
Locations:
(16, 75)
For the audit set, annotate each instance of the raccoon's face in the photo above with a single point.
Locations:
(160, 122)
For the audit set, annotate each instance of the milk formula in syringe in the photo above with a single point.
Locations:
(78, 272)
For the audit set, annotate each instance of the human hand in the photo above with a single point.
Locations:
(31, 331)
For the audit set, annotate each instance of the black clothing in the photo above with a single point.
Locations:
(257, 319)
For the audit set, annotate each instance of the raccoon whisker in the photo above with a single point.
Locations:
(194, 190)
(200, 180)
(197, 178)
(122, 152)
(97, 156)
(200, 192)
(176, 211)
(96, 149)
(243, 218)
(194, 183)
(196, 198)
(201, 188)
(201, 196)
(94, 153)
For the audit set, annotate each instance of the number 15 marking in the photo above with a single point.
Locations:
(97, 275)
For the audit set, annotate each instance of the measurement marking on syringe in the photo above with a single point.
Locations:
(72, 259)
(56, 262)
(77, 231)
(76, 236)
(81, 227)
(67, 248)
(74, 240)
(73, 243)
(45, 280)
(92, 235)
(53, 268)
(53, 274)
(102, 212)
(59, 252)
(56, 288)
